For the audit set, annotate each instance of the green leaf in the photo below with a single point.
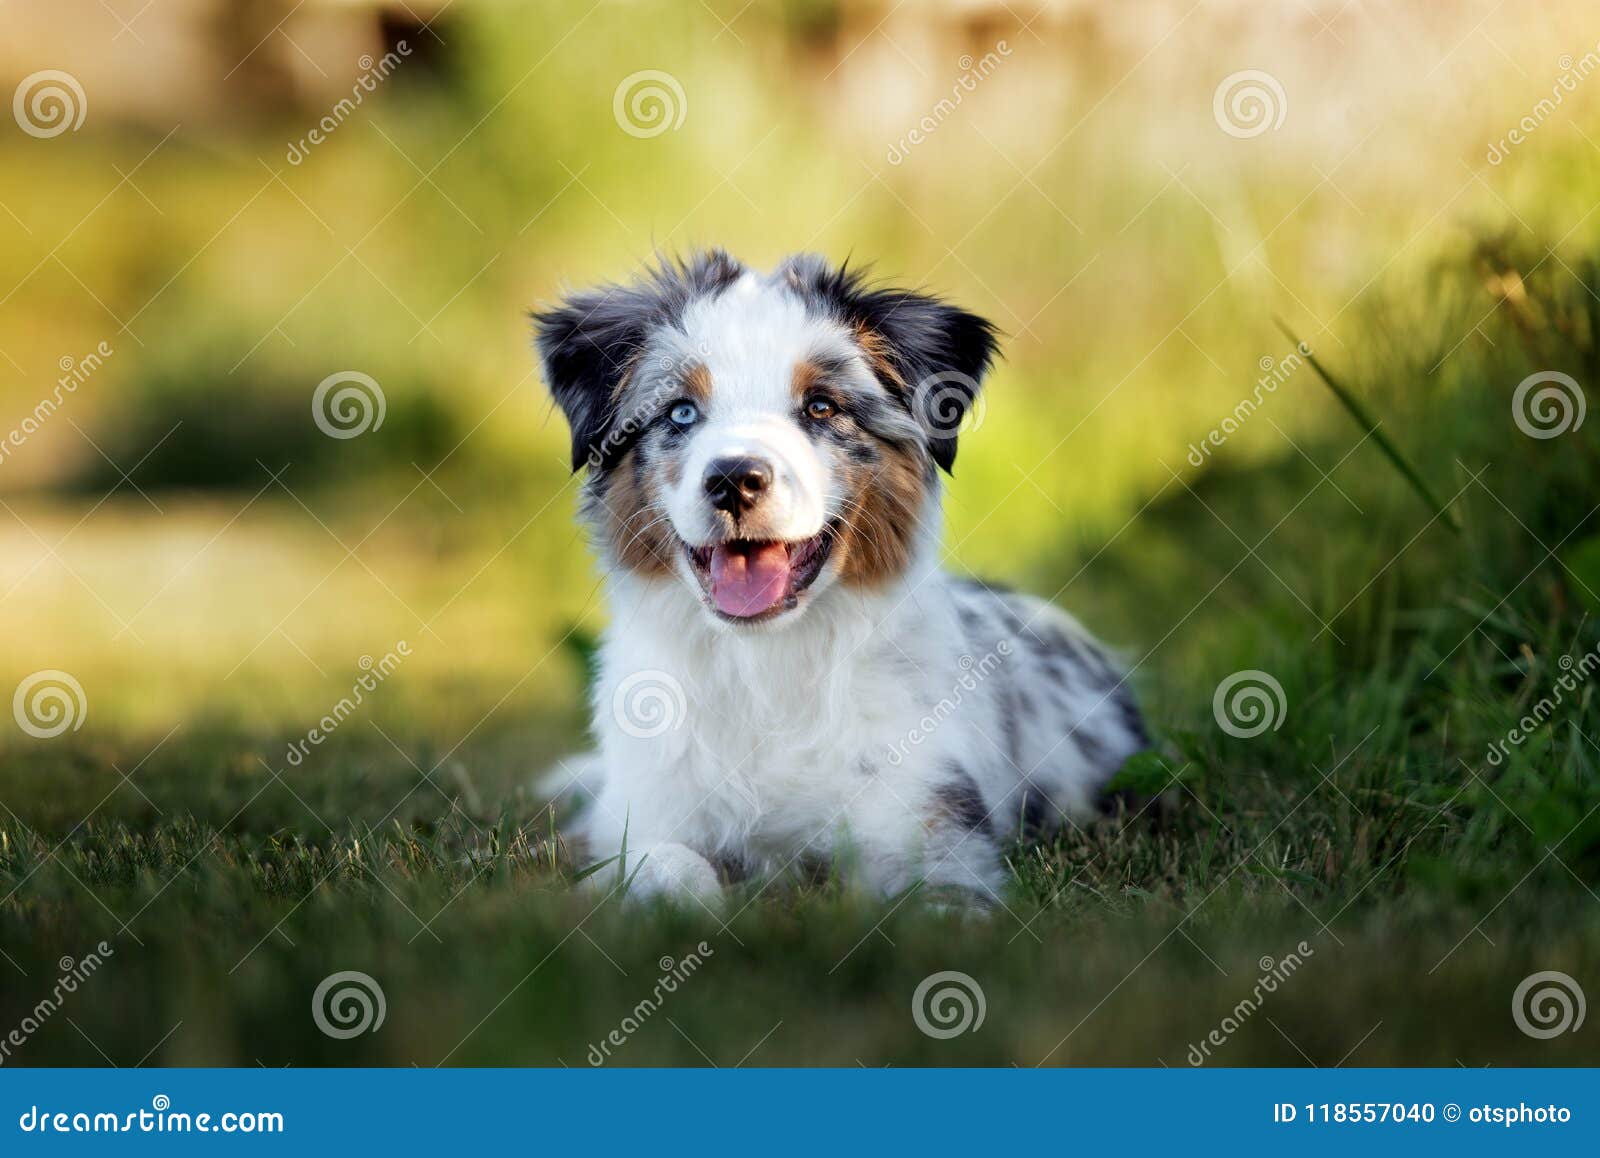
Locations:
(1149, 773)
(1582, 562)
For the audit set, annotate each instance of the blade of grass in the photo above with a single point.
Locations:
(1371, 427)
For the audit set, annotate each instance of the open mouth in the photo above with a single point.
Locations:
(749, 579)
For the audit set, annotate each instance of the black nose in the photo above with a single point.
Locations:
(737, 484)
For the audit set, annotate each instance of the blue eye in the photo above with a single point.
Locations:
(684, 414)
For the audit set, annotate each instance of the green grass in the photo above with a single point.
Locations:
(1426, 880)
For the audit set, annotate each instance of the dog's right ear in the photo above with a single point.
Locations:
(590, 342)
(587, 345)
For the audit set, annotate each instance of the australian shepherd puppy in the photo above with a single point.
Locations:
(789, 679)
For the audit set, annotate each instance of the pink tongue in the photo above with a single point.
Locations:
(745, 583)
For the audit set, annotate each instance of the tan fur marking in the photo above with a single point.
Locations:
(880, 522)
(807, 377)
(697, 382)
(876, 350)
(640, 537)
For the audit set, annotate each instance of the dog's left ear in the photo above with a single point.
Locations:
(931, 354)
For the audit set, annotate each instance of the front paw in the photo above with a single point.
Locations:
(664, 872)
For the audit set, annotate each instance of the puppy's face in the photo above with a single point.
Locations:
(761, 438)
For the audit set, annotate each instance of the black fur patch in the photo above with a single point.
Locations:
(961, 801)
(1038, 815)
(589, 342)
(1132, 718)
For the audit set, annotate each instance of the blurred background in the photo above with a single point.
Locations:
(181, 536)
(270, 424)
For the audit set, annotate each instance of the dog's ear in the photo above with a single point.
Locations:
(587, 344)
(590, 341)
(930, 354)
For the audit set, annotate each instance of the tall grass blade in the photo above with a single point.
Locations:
(1370, 426)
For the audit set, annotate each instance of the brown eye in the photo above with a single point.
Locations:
(820, 408)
